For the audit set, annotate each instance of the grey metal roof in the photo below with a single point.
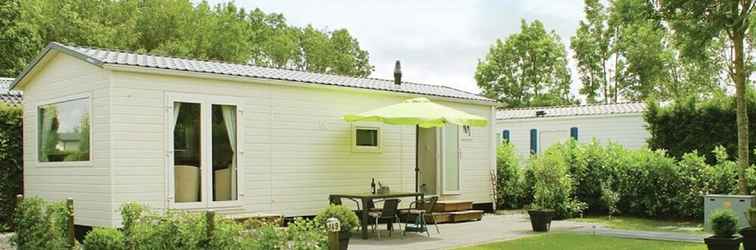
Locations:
(10, 97)
(581, 110)
(100, 56)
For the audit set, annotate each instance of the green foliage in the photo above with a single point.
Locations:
(270, 237)
(40, 225)
(105, 238)
(346, 216)
(307, 234)
(182, 28)
(11, 161)
(724, 223)
(553, 184)
(623, 52)
(510, 181)
(528, 68)
(697, 124)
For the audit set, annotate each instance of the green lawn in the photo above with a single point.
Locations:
(641, 224)
(570, 241)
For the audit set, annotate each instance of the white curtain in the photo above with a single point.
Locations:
(176, 109)
(229, 117)
(47, 121)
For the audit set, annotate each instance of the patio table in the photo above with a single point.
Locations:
(365, 198)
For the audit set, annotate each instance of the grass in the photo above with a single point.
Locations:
(642, 224)
(570, 241)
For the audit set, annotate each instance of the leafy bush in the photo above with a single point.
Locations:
(698, 125)
(270, 237)
(510, 183)
(307, 234)
(40, 225)
(553, 184)
(11, 162)
(105, 238)
(346, 216)
(724, 223)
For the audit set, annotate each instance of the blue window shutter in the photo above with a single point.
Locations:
(574, 133)
(505, 135)
(533, 141)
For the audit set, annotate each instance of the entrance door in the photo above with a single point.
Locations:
(428, 160)
(451, 177)
(204, 149)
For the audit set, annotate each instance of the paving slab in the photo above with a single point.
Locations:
(491, 228)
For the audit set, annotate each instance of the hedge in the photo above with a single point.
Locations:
(700, 125)
(11, 163)
(613, 179)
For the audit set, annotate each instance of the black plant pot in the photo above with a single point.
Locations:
(723, 243)
(540, 219)
(749, 238)
(344, 239)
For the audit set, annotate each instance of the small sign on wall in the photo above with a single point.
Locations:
(466, 133)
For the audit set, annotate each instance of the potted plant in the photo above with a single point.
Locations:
(724, 224)
(346, 217)
(551, 191)
(749, 233)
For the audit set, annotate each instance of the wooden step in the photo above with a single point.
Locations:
(452, 206)
(469, 215)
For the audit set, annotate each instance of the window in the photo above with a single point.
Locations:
(505, 136)
(533, 141)
(63, 131)
(574, 133)
(366, 139)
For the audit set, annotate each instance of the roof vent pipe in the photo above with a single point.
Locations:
(398, 73)
(540, 113)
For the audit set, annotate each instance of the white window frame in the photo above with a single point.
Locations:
(367, 149)
(206, 180)
(37, 129)
(443, 145)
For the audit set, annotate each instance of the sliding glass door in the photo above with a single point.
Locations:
(204, 151)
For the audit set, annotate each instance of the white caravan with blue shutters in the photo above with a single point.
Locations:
(107, 127)
(533, 130)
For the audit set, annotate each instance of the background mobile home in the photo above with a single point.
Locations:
(533, 130)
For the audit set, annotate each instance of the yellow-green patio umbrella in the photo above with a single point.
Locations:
(419, 112)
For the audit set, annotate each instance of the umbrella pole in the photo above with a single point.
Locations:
(417, 158)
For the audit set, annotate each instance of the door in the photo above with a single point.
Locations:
(203, 151)
(428, 160)
(451, 177)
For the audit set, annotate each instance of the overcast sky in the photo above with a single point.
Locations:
(438, 42)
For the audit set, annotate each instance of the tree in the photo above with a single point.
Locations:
(181, 28)
(699, 25)
(624, 52)
(529, 68)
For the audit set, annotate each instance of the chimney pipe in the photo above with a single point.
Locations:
(398, 73)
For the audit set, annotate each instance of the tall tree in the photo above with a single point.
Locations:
(591, 45)
(700, 25)
(529, 68)
(182, 28)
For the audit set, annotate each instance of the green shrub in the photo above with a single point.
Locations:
(270, 237)
(307, 234)
(346, 216)
(11, 162)
(174, 230)
(695, 124)
(229, 235)
(553, 184)
(105, 239)
(724, 223)
(40, 225)
(510, 183)
(594, 173)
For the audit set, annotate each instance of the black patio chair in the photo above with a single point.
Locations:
(390, 213)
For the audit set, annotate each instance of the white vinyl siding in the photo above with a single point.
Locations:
(87, 182)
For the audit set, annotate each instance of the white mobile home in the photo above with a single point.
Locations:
(533, 130)
(188, 134)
